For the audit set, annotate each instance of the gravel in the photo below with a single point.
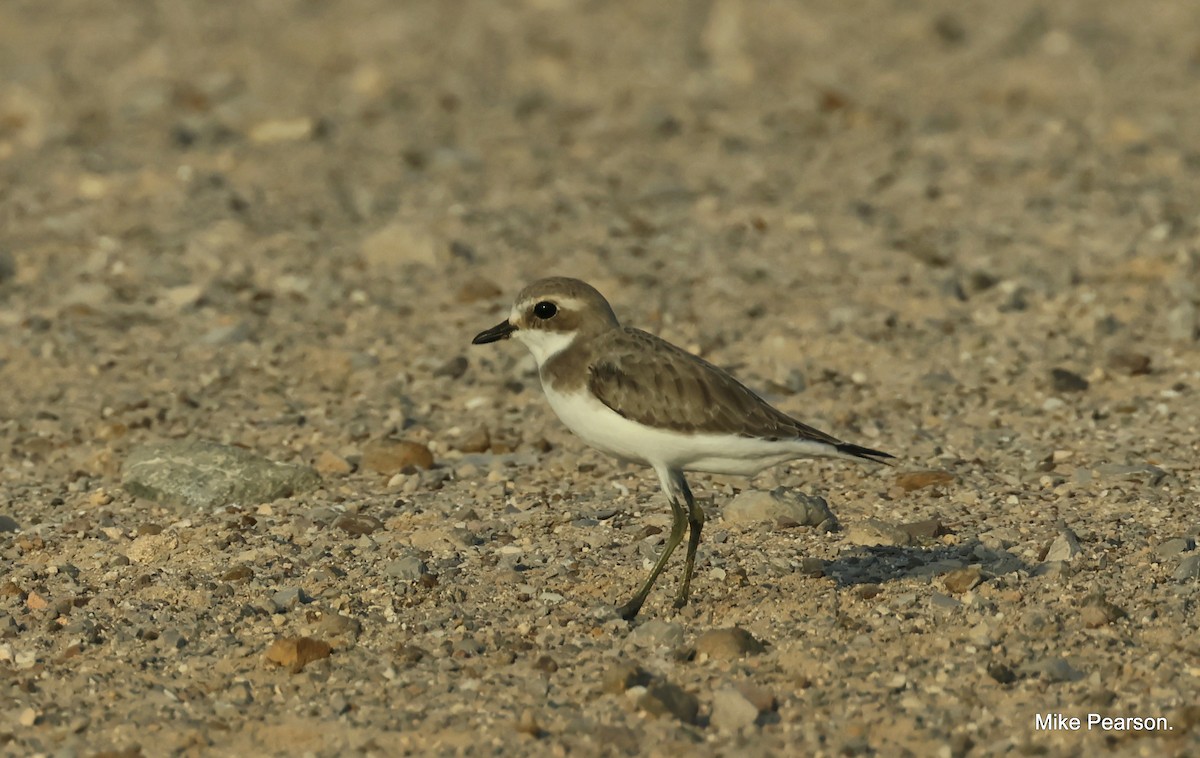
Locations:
(259, 494)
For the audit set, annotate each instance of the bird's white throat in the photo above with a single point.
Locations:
(544, 343)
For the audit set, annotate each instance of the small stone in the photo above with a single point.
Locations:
(1001, 673)
(282, 130)
(728, 644)
(1053, 670)
(657, 633)
(343, 630)
(331, 464)
(1133, 364)
(915, 480)
(27, 717)
(731, 710)
(358, 524)
(527, 724)
(297, 652)
(1189, 568)
(1174, 547)
(286, 600)
(812, 567)
(780, 506)
(392, 456)
(1067, 381)
(410, 654)
(149, 528)
(1064, 547)
(478, 440)
(152, 548)
(927, 529)
(200, 474)
(9, 524)
(622, 676)
(1098, 611)
(410, 568)
(546, 664)
(35, 602)
(238, 574)
(664, 698)
(873, 532)
(962, 580)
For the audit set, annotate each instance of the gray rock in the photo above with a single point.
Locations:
(9, 524)
(1189, 568)
(410, 568)
(1177, 546)
(1064, 547)
(874, 532)
(731, 710)
(657, 633)
(780, 505)
(201, 474)
(1052, 670)
(286, 600)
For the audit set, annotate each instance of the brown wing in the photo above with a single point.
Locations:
(648, 380)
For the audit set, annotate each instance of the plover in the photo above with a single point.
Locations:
(640, 398)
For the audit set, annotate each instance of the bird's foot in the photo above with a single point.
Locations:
(630, 609)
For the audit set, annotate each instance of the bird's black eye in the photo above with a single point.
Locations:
(545, 310)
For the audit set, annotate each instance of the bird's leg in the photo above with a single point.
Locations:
(678, 523)
(695, 524)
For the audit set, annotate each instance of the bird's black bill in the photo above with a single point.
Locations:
(500, 331)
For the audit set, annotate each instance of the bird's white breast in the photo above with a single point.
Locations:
(608, 431)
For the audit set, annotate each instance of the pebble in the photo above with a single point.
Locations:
(1097, 611)
(297, 652)
(9, 524)
(728, 644)
(731, 710)
(410, 568)
(623, 676)
(393, 456)
(1189, 568)
(1174, 547)
(927, 529)
(478, 440)
(1064, 380)
(657, 633)
(290, 598)
(876, 533)
(201, 474)
(665, 698)
(1054, 670)
(331, 464)
(282, 130)
(1064, 547)
(358, 524)
(781, 506)
(962, 580)
(915, 480)
(1133, 364)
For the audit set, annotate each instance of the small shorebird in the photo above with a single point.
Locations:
(640, 398)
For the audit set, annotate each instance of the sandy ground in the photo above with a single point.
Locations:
(967, 234)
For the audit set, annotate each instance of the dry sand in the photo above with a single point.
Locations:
(967, 234)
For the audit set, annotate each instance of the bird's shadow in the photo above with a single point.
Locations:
(879, 564)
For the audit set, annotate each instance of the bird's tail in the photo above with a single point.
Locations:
(864, 453)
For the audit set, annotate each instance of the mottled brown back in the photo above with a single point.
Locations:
(649, 380)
